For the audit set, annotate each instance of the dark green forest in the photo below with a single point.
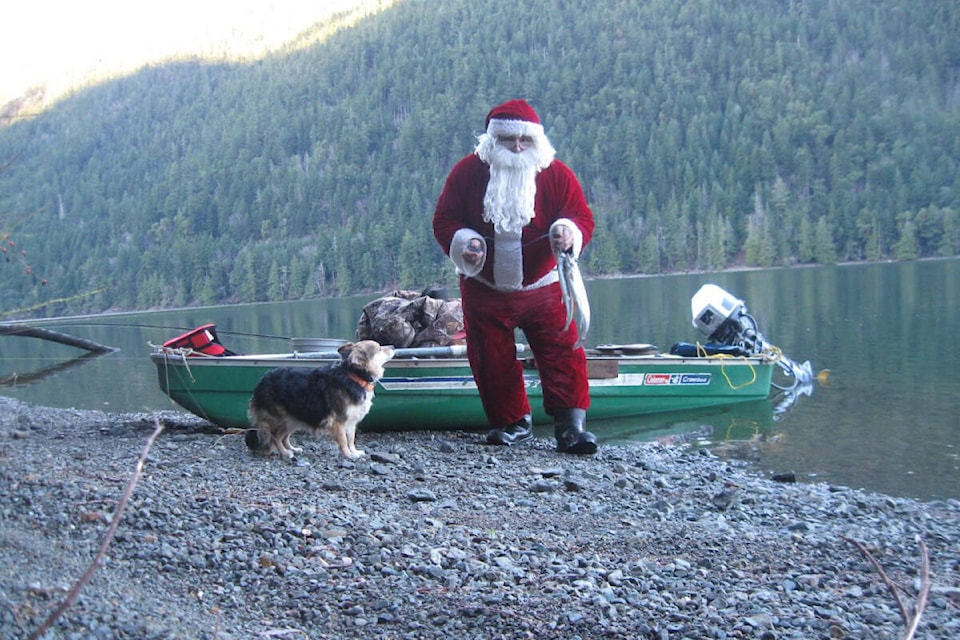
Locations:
(707, 134)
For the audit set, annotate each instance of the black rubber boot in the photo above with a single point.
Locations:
(519, 431)
(571, 435)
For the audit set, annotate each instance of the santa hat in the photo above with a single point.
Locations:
(513, 118)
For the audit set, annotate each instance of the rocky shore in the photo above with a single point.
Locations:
(435, 535)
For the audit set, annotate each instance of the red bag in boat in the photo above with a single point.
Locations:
(202, 339)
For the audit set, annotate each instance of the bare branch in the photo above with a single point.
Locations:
(883, 576)
(911, 621)
(107, 539)
(924, 590)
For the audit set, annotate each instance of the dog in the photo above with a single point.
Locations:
(334, 398)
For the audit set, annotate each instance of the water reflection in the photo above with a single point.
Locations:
(737, 422)
(887, 422)
(733, 430)
(18, 379)
(789, 398)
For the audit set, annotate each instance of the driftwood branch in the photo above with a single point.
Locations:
(911, 620)
(53, 336)
(107, 538)
(924, 590)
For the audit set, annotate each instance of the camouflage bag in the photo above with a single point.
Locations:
(409, 319)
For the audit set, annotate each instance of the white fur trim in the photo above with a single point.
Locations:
(550, 278)
(508, 263)
(514, 128)
(577, 234)
(460, 241)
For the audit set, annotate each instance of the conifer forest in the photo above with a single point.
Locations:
(707, 134)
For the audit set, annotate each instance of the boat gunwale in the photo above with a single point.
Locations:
(613, 396)
(287, 359)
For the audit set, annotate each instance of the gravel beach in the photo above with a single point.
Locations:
(435, 535)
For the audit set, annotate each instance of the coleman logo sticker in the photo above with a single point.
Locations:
(673, 379)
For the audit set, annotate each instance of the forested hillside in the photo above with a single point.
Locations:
(706, 133)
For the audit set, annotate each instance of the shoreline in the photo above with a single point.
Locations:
(434, 535)
(452, 284)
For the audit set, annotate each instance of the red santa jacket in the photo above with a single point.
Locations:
(559, 195)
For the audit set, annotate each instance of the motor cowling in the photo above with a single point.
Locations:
(724, 319)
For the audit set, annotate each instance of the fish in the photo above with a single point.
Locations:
(574, 294)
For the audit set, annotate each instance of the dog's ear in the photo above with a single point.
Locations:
(345, 349)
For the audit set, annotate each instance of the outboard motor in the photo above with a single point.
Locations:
(725, 321)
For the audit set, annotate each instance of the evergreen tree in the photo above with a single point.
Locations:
(870, 235)
(826, 250)
(950, 242)
(806, 243)
(758, 248)
(275, 288)
(907, 247)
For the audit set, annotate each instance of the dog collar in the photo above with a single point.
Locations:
(366, 384)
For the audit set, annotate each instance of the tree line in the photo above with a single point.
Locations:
(706, 133)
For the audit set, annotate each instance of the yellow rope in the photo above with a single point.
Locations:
(702, 353)
(41, 305)
(183, 353)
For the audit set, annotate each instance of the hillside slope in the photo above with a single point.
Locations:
(706, 134)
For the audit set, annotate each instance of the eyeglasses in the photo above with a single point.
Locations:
(512, 142)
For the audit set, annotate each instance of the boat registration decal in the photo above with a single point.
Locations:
(436, 383)
(440, 383)
(674, 379)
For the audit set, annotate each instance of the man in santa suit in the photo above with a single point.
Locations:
(502, 212)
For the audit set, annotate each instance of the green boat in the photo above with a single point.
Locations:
(433, 388)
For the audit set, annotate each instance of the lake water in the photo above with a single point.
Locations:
(887, 420)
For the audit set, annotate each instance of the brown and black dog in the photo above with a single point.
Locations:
(334, 398)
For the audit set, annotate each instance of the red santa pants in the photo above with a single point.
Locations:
(490, 318)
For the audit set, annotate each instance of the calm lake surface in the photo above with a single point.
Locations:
(887, 420)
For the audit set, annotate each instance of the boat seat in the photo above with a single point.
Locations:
(604, 369)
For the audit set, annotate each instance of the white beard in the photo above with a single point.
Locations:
(509, 201)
